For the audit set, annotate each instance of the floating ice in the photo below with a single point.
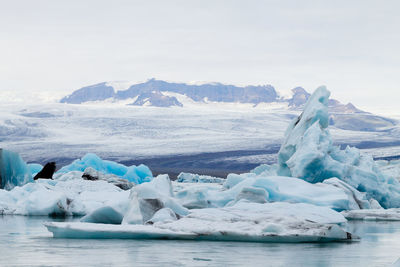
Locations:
(148, 198)
(308, 153)
(277, 189)
(93, 175)
(373, 214)
(270, 222)
(67, 195)
(184, 177)
(105, 215)
(136, 174)
(13, 170)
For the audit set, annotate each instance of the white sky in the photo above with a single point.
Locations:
(353, 47)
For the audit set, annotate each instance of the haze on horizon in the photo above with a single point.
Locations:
(51, 48)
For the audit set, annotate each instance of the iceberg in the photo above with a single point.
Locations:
(270, 222)
(67, 195)
(184, 177)
(13, 170)
(373, 214)
(308, 153)
(104, 215)
(136, 174)
(260, 188)
(148, 198)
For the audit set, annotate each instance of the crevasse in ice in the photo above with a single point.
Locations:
(136, 174)
(308, 153)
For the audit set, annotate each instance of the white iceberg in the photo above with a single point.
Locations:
(373, 214)
(67, 195)
(275, 189)
(185, 177)
(252, 222)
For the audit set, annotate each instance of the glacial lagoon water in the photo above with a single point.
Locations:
(24, 241)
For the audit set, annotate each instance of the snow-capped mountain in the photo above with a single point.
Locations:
(156, 93)
(153, 91)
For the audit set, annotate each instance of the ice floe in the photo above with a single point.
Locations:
(253, 222)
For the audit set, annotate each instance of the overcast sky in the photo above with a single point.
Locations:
(352, 47)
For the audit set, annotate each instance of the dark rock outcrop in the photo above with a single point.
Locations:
(156, 99)
(216, 92)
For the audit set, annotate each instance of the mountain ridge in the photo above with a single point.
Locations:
(152, 93)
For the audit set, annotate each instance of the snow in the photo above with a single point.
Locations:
(13, 170)
(136, 174)
(271, 222)
(123, 133)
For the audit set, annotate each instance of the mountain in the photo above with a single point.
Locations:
(156, 98)
(154, 93)
(160, 93)
(215, 92)
(95, 92)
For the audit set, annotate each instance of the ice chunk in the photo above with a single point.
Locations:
(105, 215)
(390, 168)
(308, 153)
(266, 170)
(136, 174)
(13, 170)
(34, 168)
(253, 194)
(184, 177)
(373, 214)
(357, 199)
(270, 222)
(93, 175)
(68, 195)
(147, 198)
(163, 215)
(277, 188)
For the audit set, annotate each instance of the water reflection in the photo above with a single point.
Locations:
(24, 241)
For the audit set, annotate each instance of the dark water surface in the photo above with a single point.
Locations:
(24, 241)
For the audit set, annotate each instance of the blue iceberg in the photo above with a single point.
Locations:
(13, 170)
(308, 153)
(136, 174)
